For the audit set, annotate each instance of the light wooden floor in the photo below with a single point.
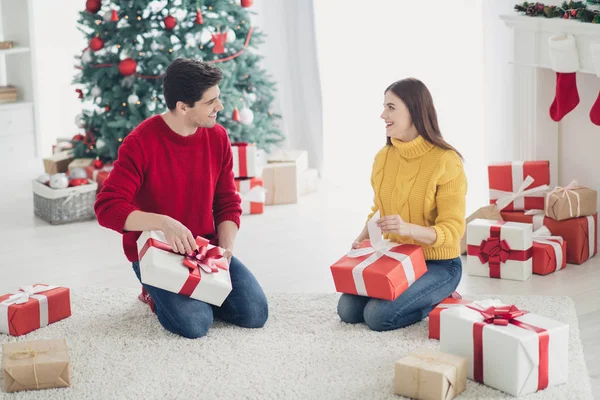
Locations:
(289, 248)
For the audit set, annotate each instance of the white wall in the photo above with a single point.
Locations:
(56, 41)
(364, 49)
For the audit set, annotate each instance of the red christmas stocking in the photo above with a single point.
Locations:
(595, 111)
(564, 59)
(567, 96)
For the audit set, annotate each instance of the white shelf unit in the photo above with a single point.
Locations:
(18, 119)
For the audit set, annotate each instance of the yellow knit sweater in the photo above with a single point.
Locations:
(425, 185)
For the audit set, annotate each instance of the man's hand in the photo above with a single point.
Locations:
(394, 224)
(178, 236)
(227, 254)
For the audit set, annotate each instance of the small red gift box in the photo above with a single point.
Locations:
(519, 185)
(33, 307)
(252, 193)
(383, 273)
(580, 233)
(549, 252)
(244, 160)
(434, 315)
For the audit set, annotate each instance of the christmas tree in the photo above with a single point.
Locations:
(131, 43)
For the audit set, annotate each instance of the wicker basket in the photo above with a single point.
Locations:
(63, 206)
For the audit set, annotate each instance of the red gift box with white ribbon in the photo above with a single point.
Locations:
(519, 185)
(203, 275)
(549, 252)
(33, 307)
(253, 195)
(499, 249)
(244, 160)
(508, 349)
(379, 268)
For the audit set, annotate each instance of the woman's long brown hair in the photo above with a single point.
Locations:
(419, 102)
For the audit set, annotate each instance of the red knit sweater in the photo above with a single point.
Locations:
(187, 178)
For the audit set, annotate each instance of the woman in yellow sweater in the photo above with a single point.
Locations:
(419, 189)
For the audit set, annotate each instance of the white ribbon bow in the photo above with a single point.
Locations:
(544, 236)
(25, 292)
(564, 191)
(379, 247)
(256, 195)
(505, 198)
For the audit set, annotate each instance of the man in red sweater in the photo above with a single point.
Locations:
(174, 174)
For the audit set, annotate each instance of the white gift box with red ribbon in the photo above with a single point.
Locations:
(203, 276)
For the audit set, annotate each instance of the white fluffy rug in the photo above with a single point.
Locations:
(119, 350)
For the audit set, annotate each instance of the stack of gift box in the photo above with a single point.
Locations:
(530, 227)
(281, 178)
(496, 344)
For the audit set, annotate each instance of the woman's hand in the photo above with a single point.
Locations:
(394, 224)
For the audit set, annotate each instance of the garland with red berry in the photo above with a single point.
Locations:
(577, 10)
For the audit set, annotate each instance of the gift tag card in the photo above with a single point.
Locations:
(375, 235)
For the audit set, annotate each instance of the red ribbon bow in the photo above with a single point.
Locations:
(494, 250)
(503, 316)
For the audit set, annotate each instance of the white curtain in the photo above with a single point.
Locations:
(291, 58)
(364, 47)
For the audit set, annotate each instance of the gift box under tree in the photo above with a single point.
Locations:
(253, 195)
(434, 315)
(499, 249)
(202, 276)
(571, 201)
(379, 268)
(508, 349)
(245, 160)
(519, 185)
(549, 252)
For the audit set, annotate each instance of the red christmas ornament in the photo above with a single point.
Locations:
(236, 115)
(540, 7)
(247, 3)
(78, 182)
(107, 108)
(127, 67)
(93, 6)
(96, 44)
(170, 22)
(566, 16)
(219, 40)
(199, 20)
(574, 13)
(80, 93)
(114, 17)
(78, 138)
(97, 164)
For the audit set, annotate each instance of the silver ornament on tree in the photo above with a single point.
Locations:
(100, 144)
(154, 46)
(86, 57)
(133, 99)
(80, 121)
(59, 181)
(251, 97)
(96, 91)
(230, 36)
(246, 116)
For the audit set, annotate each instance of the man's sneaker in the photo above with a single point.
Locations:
(145, 298)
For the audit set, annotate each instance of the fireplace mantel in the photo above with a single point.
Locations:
(533, 83)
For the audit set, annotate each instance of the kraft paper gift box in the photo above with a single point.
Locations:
(430, 375)
(519, 185)
(58, 162)
(245, 160)
(203, 276)
(281, 183)
(499, 249)
(508, 349)
(581, 234)
(434, 315)
(33, 307)
(490, 212)
(571, 201)
(299, 157)
(549, 252)
(253, 195)
(36, 365)
(81, 163)
(379, 268)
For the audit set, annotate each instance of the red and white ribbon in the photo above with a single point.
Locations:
(22, 297)
(564, 192)
(538, 218)
(591, 235)
(504, 198)
(543, 236)
(379, 248)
